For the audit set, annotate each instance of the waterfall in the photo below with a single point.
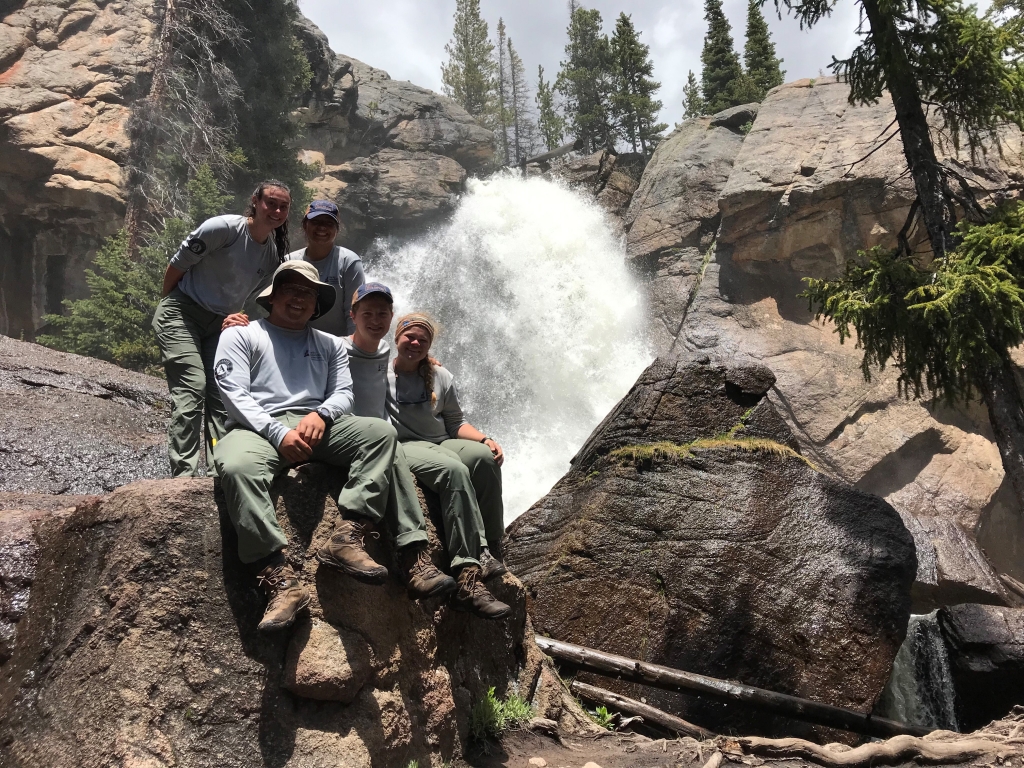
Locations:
(540, 319)
(920, 690)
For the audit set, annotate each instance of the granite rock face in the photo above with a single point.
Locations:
(137, 645)
(689, 533)
(69, 73)
(611, 179)
(77, 425)
(725, 226)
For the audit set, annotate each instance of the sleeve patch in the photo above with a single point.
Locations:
(223, 369)
(196, 245)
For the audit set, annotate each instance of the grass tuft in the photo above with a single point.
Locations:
(667, 451)
(491, 716)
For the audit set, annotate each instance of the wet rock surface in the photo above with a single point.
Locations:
(986, 652)
(726, 224)
(139, 645)
(77, 425)
(717, 549)
(610, 178)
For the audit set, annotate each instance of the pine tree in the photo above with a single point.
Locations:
(524, 129)
(759, 52)
(635, 109)
(721, 64)
(503, 96)
(550, 123)
(468, 76)
(585, 81)
(693, 102)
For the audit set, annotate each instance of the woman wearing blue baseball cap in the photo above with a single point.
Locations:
(337, 266)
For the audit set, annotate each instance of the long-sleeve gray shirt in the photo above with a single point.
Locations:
(263, 371)
(343, 269)
(369, 379)
(412, 413)
(224, 265)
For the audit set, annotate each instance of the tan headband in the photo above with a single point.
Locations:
(415, 320)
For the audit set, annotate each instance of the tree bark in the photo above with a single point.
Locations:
(646, 711)
(1006, 413)
(656, 675)
(936, 209)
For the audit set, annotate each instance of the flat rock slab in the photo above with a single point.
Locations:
(688, 533)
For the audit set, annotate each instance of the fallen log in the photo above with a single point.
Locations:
(655, 675)
(646, 711)
(894, 751)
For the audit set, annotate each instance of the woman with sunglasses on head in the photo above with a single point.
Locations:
(220, 266)
(448, 455)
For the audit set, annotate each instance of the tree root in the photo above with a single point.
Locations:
(899, 749)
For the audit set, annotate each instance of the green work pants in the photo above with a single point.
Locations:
(188, 335)
(247, 464)
(468, 480)
(404, 513)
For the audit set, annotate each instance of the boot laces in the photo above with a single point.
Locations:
(472, 584)
(422, 564)
(278, 581)
(354, 533)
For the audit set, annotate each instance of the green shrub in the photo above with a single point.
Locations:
(491, 717)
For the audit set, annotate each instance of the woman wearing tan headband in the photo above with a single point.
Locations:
(451, 457)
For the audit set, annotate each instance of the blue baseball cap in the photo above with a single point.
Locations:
(323, 208)
(366, 289)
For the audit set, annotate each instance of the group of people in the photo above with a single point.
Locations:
(315, 381)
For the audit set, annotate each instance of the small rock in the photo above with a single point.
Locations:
(591, 765)
(326, 663)
(537, 762)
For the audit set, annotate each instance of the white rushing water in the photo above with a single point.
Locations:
(540, 319)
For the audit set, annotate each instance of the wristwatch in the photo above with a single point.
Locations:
(484, 439)
(323, 414)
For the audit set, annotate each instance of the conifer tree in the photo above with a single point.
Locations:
(524, 129)
(468, 76)
(635, 109)
(721, 64)
(503, 96)
(550, 123)
(585, 81)
(693, 102)
(759, 52)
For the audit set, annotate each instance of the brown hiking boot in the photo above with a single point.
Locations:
(422, 577)
(491, 566)
(472, 596)
(285, 596)
(345, 552)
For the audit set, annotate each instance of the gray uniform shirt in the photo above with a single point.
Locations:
(263, 371)
(412, 413)
(343, 269)
(369, 379)
(224, 265)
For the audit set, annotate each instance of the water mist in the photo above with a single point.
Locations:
(540, 319)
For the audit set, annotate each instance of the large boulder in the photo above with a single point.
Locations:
(73, 424)
(136, 644)
(690, 533)
(726, 225)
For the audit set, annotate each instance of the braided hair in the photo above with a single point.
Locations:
(426, 366)
(281, 232)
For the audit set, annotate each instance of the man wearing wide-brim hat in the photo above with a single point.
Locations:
(288, 393)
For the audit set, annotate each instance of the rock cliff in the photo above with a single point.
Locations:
(732, 211)
(690, 533)
(389, 152)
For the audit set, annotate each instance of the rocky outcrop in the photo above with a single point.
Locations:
(136, 644)
(68, 75)
(610, 178)
(986, 653)
(690, 533)
(726, 224)
(77, 425)
(392, 155)
(389, 152)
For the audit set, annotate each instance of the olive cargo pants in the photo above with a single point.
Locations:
(468, 480)
(247, 464)
(188, 335)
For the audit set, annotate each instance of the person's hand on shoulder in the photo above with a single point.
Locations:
(238, 318)
(294, 448)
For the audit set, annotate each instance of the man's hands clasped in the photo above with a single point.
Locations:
(297, 446)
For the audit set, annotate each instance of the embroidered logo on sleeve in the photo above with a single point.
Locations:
(196, 245)
(223, 369)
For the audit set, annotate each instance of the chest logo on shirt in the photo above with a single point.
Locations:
(314, 355)
(196, 245)
(223, 369)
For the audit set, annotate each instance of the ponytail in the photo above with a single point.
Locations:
(281, 232)
(426, 372)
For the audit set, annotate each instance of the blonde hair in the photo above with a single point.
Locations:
(426, 367)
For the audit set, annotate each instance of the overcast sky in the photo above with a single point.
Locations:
(407, 37)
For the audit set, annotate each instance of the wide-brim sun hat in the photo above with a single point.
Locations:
(326, 294)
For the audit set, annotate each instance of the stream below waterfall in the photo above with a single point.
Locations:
(541, 319)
